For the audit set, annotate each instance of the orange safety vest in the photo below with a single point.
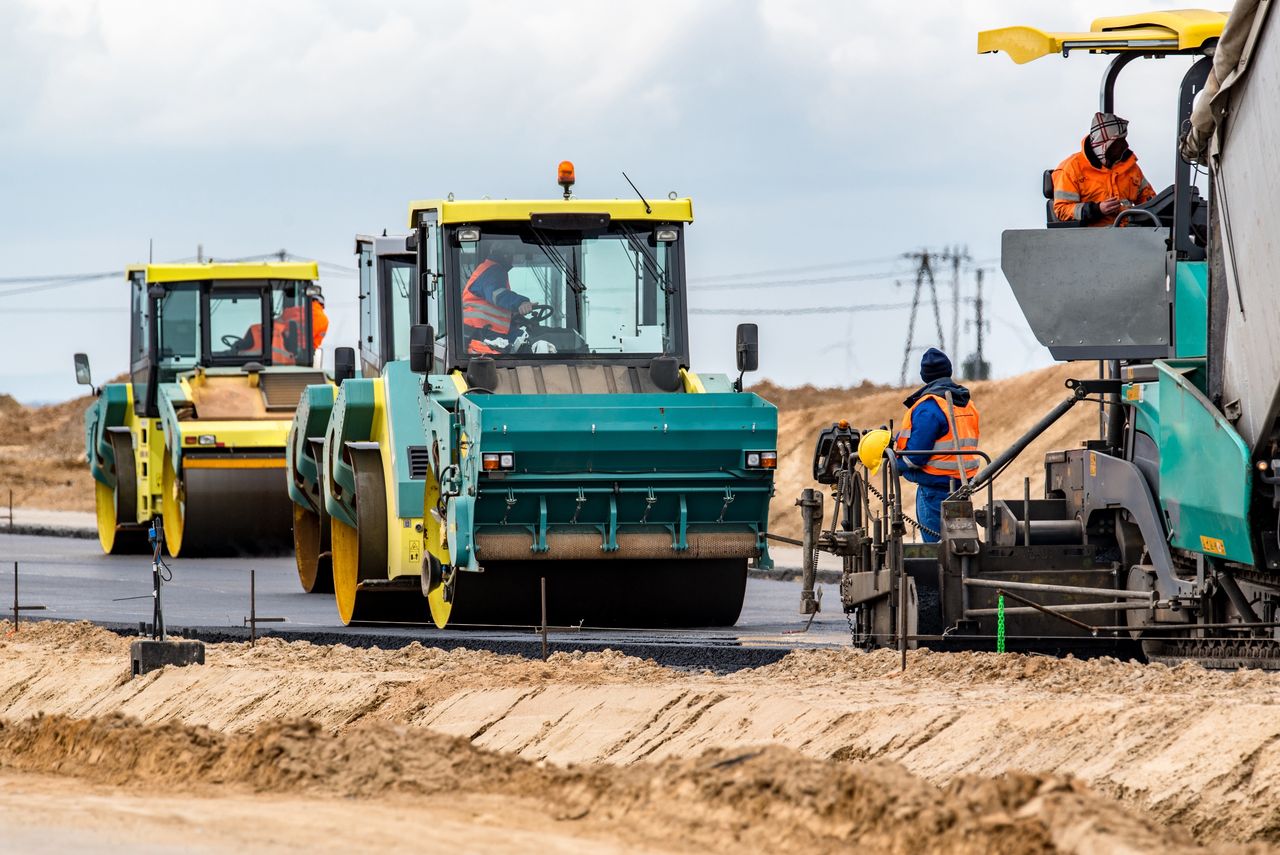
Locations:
(1076, 182)
(281, 355)
(944, 460)
(479, 313)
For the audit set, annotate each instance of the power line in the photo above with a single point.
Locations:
(49, 286)
(63, 310)
(803, 310)
(793, 283)
(807, 269)
(58, 277)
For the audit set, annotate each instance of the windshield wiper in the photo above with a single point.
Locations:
(553, 255)
(650, 260)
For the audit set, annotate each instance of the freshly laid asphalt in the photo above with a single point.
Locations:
(209, 598)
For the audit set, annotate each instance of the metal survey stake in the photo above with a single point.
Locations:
(544, 617)
(17, 608)
(253, 620)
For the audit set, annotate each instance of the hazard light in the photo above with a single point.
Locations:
(565, 177)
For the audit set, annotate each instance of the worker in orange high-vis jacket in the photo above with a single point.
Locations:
(488, 302)
(287, 329)
(946, 428)
(1100, 180)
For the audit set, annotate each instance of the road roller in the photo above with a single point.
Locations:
(528, 439)
(220, 354)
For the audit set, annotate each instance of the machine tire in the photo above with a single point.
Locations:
(360, 556)
(311, 549)
(117, 507)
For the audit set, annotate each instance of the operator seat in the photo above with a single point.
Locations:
(1051, 219)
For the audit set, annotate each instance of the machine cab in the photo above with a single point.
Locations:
(559, 296)
(1137, 290)
(220, 316)
(390, 302)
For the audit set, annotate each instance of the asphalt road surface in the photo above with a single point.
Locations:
(210, 597)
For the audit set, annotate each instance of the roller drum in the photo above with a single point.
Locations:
(604, 593)
(224, 510)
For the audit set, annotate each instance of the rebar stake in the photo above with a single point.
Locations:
(544, 618)
(253, 620)
(253, 607)
(17, 608)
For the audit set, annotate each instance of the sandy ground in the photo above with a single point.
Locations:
(822, 751)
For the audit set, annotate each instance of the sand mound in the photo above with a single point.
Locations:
(42, 455)
(765, 799)
(1179, 745)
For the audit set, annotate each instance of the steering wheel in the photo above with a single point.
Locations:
(234, 343)
(539, 313)
(1129, 212)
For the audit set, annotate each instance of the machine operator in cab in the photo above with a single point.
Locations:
(1100, 180)
(286, 331)
(488, 302)
(945, 428)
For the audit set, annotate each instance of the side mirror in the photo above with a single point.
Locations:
(156, 292)
(422, 344)
(748, 348)
(344, 364)
(83, 376)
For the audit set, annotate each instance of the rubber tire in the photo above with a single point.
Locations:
(311, 549)
(360, 555)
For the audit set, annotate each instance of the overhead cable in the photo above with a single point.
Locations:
(803, 310)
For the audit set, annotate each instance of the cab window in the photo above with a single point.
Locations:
(370, 313)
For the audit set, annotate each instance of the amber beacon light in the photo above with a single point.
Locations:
(564, 176)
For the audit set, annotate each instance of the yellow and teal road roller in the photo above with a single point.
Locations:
(527, 411)
(219, 355)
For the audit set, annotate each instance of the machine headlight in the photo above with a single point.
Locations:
(208, 439)
(762, 460)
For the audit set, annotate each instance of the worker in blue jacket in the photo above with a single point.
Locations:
(947, 429)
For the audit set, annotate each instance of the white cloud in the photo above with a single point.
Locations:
(130, 71)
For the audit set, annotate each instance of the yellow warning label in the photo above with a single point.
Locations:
(1093, 465)
(1133, 392)
(1213, 545)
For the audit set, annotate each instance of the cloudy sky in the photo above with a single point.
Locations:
(819, 141)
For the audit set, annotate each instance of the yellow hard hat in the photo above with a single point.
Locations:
(871, 448)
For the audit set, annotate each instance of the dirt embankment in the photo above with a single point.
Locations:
(42, 455)
(960, 749)
(766, 799)
(1008, 408)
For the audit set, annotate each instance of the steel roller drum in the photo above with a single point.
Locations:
(603, 593)
(223, 509)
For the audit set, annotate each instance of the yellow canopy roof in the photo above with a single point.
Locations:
(509, 210)
(1148, 32)
(300, 270)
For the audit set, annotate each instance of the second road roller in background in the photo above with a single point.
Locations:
(219, 355)
(574, 445)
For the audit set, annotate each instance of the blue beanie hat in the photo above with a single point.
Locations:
(934, 365)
